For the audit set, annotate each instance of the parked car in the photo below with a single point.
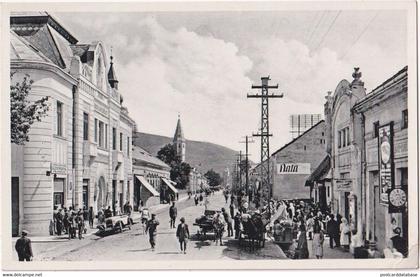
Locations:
(115, 224)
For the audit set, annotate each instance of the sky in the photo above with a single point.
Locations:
(201, 65)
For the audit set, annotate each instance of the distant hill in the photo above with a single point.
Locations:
(203, 155)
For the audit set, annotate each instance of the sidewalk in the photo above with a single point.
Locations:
(91, 231)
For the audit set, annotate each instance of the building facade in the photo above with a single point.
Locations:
(148, 173)
(79, 155)
(367, 149)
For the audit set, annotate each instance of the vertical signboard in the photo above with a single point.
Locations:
(386, 156)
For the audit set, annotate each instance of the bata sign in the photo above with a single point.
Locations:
(294, 168)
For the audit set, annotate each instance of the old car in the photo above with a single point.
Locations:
(115, 224)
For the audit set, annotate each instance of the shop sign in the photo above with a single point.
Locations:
(293, 168)
(386, 156)
(60, 169)
(343, 185)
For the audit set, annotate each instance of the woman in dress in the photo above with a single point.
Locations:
(302, 247)
(344, 234)
(317, 245)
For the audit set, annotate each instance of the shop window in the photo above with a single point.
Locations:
(59, 118)
(376, 129)
(85, 126)
(404, 119)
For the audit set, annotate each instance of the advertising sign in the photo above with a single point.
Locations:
(293, 168)
(386, 174)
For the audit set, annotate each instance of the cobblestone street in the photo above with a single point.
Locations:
(134, 245)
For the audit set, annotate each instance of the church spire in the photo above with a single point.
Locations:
(179, 141)
(112, 77)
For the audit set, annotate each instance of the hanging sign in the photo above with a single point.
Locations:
(385, 145)
(293, 168)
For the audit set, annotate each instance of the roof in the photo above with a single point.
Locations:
(179, 134)
(22, 50)
(169, 184)
(148, 186)
(297, 138)
(36, 18)
(400, 75)
(320, 172)
(112, 77)
(142, 155)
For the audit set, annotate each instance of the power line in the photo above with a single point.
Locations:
(360, 35)
(316, 26)
(329, 29)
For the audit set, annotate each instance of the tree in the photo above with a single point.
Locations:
(213, 178)
(180, 171)
(24, 113)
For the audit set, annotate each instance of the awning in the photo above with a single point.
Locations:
(148, 186)
(320, 172)
(168, 183)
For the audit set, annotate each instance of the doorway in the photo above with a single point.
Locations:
(86, 194)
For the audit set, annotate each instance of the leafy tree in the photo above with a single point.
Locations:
(213, 178)
(179, 170)
(24, 113)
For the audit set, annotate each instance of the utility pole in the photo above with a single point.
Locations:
(239, 169)
(247, 164)
(265, 134)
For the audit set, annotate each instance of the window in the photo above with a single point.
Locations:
(304, 147)
(405, 119)
(96, 130)
(348, 135)
(121, 141)
(128, 146)
(85, 126)
(101, 134)
(376, 129)
(328, 191)
(339, 139)
(344, 137)
(114, 138)
(322, 134)
(106, 136)
(59, 118)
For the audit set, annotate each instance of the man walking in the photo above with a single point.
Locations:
(229, 222)
(23, 248)
(80, 223)
(183, 234)
(173, 212)
(152, 229)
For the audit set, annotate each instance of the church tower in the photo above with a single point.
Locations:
(179, 141)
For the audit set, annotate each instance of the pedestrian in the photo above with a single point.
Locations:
(117, 208)
(344, 234)
(23, 247)
(80, 223)
(317, 244)
(201, 198)
(206, 203)
(91, 217)
(59, 222)
(196, 199)
(237, 221)
(183, 234)
(232, 209)
(151, 227)
(398, 242)
(226, 197)
(173, 212)
(331, 229)
(229, 222)
(108, 212)
(71, 223)
(310, 225)
(302, 245)
(66, 221)
(129, 211)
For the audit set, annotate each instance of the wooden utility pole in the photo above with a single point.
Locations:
(247, 141)
(265, 134)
